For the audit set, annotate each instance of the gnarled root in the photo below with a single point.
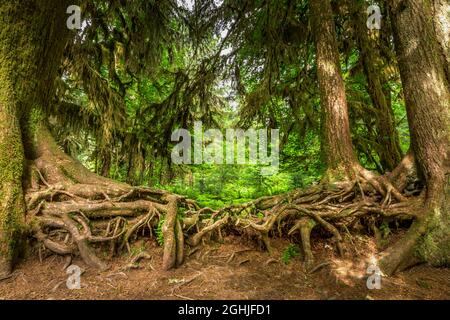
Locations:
(173, 236)
(305, 225)
(70, 212)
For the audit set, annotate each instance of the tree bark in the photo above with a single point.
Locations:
(106, 162)
(427, 97)
(388, 141)
(32, 39)
(441, 17)
(337, 146)
(11, 196)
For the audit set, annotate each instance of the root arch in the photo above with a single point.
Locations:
(71, 210)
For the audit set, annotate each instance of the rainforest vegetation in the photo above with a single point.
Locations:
(87, 114)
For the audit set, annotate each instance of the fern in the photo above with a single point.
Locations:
(159, 233)
(290, 252)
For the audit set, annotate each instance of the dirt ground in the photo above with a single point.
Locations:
(232, 270)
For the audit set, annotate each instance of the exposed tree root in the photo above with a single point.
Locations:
(66, 223)
(305, 225)
(134, 263)
(70, 213)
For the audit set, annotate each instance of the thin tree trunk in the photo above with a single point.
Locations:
(388, 140)
(336, 145)
(131, 170)
(106, 163)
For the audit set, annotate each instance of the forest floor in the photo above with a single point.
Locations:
(231, 270)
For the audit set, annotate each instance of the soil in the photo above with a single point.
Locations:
(230, 270)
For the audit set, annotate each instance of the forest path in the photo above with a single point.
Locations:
(228, 271)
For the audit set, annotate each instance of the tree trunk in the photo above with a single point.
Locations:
(32, 39)
(441, 17)
(336, 145)
(388, 141)
(11, 195)
(427, 97)
(106, 162)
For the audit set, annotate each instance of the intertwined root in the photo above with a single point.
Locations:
(65, 222)
(70, 209)
(70, 218)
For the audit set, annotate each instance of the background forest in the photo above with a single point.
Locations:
(257, 80)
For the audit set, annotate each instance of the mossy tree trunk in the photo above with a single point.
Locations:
(388, 141)
(427, 97)
(11, 195)
(106, 163)
(33, 35)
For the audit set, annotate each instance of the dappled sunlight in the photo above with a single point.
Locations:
(351, 270)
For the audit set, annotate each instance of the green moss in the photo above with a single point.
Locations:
(12, 207)
(27, 67)
(11, 194)
(434, 246)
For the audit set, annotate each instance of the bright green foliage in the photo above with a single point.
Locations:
(264, 79)
(289, 253)
(159, 232)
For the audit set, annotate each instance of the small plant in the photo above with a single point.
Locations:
(290, 252)
(159, 233)
(385, 230)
